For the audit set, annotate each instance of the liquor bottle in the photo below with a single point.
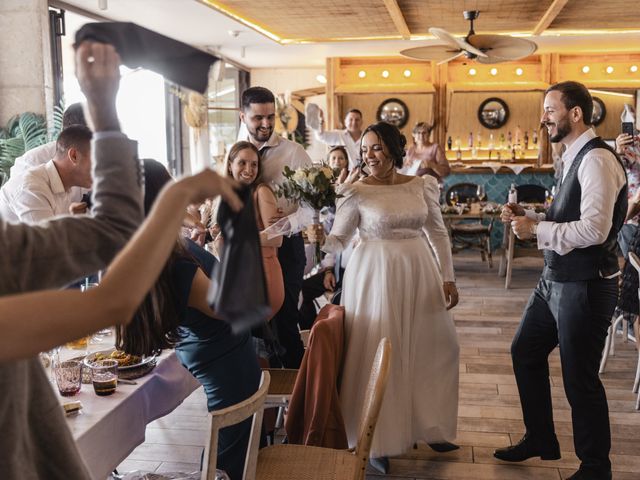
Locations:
(479, 140)
(535, 137)
(518, 136)
(513, 194)
(501, 141)
(521, 153)
(470, 141)
(513, 154)
(498, 155)
(526, 140)
(458, 143)
(449, 143)
(458, 154)
(491, 141)
(474, 152)
(509, 140)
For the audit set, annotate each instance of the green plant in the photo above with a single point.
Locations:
(24, 132)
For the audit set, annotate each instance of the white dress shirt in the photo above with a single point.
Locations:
(344, 138)
(275, 154)
(601, 178)
(36, 195)
(33, 158)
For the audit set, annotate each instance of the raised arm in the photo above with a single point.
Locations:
(35, 322)
(59, 251)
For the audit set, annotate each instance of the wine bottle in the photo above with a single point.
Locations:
(513, 194)
(449, 143)
(470, 141)
(526, 140)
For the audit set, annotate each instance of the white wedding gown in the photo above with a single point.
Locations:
(393, 288)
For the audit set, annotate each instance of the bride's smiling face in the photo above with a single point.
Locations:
(375, 154)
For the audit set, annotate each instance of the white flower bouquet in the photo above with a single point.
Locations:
(313, 187)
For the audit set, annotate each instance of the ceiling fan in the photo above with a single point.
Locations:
(483, 48)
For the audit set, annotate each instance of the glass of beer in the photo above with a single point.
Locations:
(68, 377)
(104, 376)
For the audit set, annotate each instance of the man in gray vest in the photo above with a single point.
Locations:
(572, 305)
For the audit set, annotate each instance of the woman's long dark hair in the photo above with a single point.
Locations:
(392, 138)
(155, 326)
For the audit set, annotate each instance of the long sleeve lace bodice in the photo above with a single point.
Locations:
(392, 212)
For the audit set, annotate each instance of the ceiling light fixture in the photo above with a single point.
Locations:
(385, 74)
(585, 69)
(407, 73)
(362, 74)
(519, 71)
(472, 71)
(321, 78)
(493, 71)
(609, 69)
(633, 68)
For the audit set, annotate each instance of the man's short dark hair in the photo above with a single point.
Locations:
(353, 110)
(256, 95)
(75, 136)
(575, 94)
(73, 115)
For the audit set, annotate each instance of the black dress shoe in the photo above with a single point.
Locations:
(380, 464)
(584, 474)
(527, 448)
(443, 447)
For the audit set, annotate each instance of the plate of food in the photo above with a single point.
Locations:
(126, 361)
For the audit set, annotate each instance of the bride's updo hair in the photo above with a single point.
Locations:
(392, 138)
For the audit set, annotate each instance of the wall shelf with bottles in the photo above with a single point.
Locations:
(502, 146)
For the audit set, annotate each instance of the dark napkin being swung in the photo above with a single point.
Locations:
(238, 291)
(140, 47)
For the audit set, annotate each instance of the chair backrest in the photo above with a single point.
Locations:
(465, 192)
(635, 261)
(531, 193)
(372, 403)
(230, 416)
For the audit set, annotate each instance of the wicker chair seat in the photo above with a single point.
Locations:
(300, 462)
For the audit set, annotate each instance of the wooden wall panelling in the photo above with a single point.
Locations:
(333, 71)
(420, 107)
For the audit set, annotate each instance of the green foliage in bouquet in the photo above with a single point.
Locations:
(313, 186)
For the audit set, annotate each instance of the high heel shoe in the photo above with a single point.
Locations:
(380, 464)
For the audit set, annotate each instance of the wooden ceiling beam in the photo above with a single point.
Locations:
(549, 16)
(398, 18)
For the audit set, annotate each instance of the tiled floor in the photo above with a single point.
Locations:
(489, 411)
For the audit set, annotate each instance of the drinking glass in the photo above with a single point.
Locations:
(481, 193)
(453, 198)
(68, 376)
(104, 376)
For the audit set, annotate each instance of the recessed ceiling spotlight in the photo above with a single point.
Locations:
(321, 78)
(362, 74)
(633, 68)
(493, 71)
(609, 69)
(407, 73)
(385, 74)
(519, 71)
(472, 71)
(585, 69)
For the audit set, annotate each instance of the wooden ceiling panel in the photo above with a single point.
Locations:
(319, 19)
(495, 15)
(612, 14)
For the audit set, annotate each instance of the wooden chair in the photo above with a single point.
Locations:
(252, 406)
(299, 462)
(611, 333)
(470, 233)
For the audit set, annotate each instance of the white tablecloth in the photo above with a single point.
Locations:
(109, 428)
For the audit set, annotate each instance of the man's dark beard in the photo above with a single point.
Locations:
(257, 136)
(563, 130)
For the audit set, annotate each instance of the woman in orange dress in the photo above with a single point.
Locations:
(243, 164)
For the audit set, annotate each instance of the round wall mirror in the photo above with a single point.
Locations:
(393, 111)
(599, 112)
(493, 113)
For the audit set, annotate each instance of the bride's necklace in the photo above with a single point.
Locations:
(387, 179)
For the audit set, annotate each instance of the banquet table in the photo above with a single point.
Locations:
(109, 428)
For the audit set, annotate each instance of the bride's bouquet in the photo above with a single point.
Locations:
(313, 188)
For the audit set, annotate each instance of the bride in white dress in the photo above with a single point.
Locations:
(393, 288)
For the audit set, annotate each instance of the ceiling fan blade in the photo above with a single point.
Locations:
(454, 41)
(437, 53)
(502, 48)
(446, 60)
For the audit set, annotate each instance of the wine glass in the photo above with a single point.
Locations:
(481, 193)
(453, 198)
